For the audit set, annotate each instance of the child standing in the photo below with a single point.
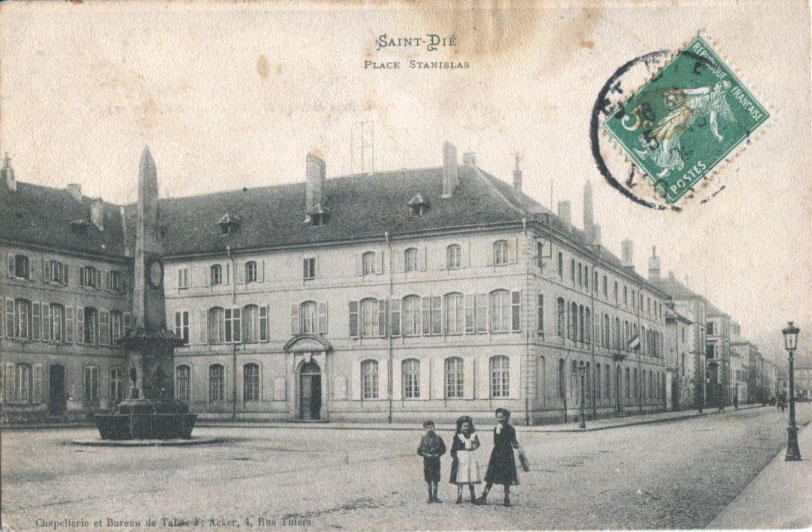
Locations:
(502, 465)
(464, 467)
(431, 449)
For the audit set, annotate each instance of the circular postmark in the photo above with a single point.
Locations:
(618, 169)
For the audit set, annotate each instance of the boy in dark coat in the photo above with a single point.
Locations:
(431, 449)
(502, 465)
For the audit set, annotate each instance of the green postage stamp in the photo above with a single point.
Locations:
(686, 120)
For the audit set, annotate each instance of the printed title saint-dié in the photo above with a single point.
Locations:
(431, 41)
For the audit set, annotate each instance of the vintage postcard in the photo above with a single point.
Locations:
(309, 265)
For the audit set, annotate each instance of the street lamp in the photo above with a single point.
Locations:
(581, 374)
(791, 343)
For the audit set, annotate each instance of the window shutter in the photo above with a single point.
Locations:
(489, 255)
(65, 275)
(127, 322)
(322, 318)
(444, 259)
(108, 284)
(227, 270)
(263, 323)
(397, 379)
(201, 326)
(239, 275)
(437, 380)
(422, 258)
(37, 378)
(10, 262)
(261, 271)
(104, 327)
(294, 319)
(9, 387)
(426, 311)
(466, 255)
(379, 263)
(382, 317)
(69, 324)
(514, 389)
(358, 264)
(32, 272)
(469, 313)
(397, 262)
(395, 325)
(516, 311)
(46, 322)
(483, 375)
(36, 322)
(513, 250)
(80, 325)
(9, 317)
(98, 279)
(356, 380)
(383, 379)
(206, 273)
(468, 378)
(425, 379)
(353, 319)
(46, 271)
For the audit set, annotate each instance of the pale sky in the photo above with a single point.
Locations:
(232, 95)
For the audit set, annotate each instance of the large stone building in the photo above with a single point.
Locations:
(388, 296)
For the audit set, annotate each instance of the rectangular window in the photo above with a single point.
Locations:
(182, 325)
(216, 383)
(116, 326)
(115, 281)
(91, 386)
(48, 319)
(572, 270)
(540, 315)
(251, 382)
(233, 323)
(382, 310)
(36, 325)
(183, 278)
(104, 327)
(309, 268)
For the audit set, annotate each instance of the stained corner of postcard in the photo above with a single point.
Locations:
(686, 120)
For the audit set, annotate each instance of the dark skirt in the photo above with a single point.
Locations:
(431, 469)
(502, 467)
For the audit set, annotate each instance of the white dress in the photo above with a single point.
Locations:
(467, 468)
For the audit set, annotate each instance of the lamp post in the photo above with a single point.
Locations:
(581, 416)
(791, 343)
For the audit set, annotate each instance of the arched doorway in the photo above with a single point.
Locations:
(57, 398)
(310, 391)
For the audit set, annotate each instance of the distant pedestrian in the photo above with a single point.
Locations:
(464, 466)
(502, 465)
(431, 449)
(735, 402)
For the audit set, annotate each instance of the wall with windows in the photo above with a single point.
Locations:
(60, 310)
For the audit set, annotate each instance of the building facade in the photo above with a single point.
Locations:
(388, 296)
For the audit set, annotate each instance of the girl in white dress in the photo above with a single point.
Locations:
(464, 467)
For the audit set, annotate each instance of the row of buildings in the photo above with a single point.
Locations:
(386, 296)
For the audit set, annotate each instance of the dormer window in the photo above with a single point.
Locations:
(228, 223)
(318, 215)
(418, 205)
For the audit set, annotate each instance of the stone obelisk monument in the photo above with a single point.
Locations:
(151, 410)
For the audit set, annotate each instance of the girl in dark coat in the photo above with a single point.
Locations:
(502, 465)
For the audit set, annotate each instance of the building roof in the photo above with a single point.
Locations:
(52, 217)
(358, 207)
(677, 290)
(672, 314)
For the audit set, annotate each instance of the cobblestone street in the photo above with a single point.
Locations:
(664, 475)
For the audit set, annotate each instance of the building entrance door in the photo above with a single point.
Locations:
(56, 398)
(310, 391)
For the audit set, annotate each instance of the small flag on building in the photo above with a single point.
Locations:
(634, 343)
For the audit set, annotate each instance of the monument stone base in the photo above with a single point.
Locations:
(147, 419)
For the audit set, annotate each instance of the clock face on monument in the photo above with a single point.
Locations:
(155, 273)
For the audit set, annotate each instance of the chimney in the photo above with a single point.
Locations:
(564, 211)
(628, 253)
(450, 175)
(314, 174)
(75, 190)
(97, 213)
(589, 219)
(469, 158)
(517, 176)
(654, 265)
(7, 175)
